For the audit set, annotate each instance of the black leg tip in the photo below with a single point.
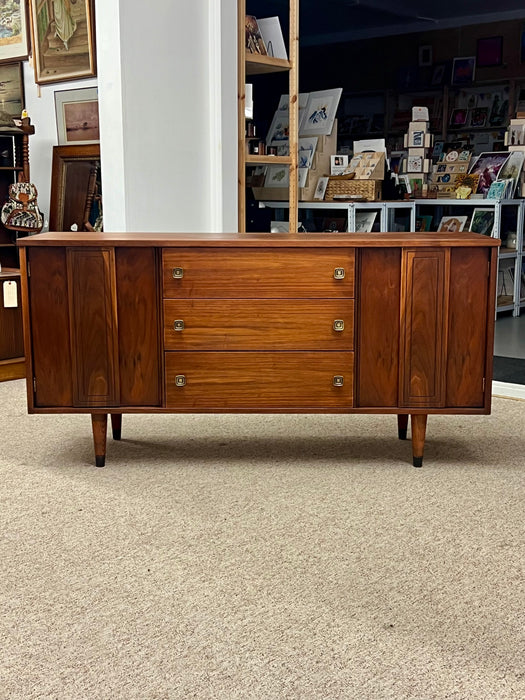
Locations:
(402, 433)
(117, 434)
(100, 461)
(417, 461)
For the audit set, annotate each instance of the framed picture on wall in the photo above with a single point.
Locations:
(463, 70)
(11, 89)
(77, 116)
(63, 40)
(14, 42)
(489, 51)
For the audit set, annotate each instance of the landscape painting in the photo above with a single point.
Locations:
(13, 30)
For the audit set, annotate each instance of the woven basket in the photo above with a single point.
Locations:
(368, 189)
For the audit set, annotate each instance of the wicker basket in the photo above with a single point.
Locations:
(370, 190)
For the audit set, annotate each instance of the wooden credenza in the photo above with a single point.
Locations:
(262, 323)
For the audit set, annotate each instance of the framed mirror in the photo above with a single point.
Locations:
(75, 187)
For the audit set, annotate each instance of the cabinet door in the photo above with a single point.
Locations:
(469, 317)
(49, 320)
(92, 310)
(423, 337)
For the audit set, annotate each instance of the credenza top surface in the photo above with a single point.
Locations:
(260, 240)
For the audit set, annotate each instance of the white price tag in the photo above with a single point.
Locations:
(10, 295)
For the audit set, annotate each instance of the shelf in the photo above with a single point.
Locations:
(257, 65)
(268, 160)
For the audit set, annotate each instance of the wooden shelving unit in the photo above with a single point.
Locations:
(254, 64)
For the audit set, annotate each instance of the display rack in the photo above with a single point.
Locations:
(254, 64)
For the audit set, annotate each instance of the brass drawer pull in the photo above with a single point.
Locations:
(339, 273)
(339, 325)
(180, 380)
(178, 325)
(338, 380)
(178, 273)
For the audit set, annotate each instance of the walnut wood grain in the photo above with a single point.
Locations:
(94, 334)
(423, 332)
(251, 380)
(467, 327)
(49, 328)
(378, 301)
(138, 327)
(251, 274)
(258, 324)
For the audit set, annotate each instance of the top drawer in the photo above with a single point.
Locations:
(240, 273)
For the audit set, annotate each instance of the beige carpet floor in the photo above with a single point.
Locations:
(261, 557)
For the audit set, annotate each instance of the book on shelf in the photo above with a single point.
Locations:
(253, 38)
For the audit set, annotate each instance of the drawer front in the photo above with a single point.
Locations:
(251, 273)
(260, 324)
(258, 381)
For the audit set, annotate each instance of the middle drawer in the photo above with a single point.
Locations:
(258, 324)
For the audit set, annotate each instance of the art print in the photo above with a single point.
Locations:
(12, 89)
(463, 70)
(452, 223)
(63, 40)
(77, 116)
(14, 44)
(482, 221)
(488, 165)
(320, 112)
(307, 146)
(512, 168)
(364, 221)
(277, 176)
(320, 189)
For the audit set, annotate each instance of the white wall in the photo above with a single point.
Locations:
(167, 95)
(40, 104)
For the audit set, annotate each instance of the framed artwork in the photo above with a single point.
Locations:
(63, 40)
(463, 70)
(487, 166)
(321, 187)
(12, 89)
(320, 112)
(364, 221)
(14, 42)
(77, 116)
(458, 117)
(74, 177)
(452, 223)
(479, 116)
(482, 221)
(489, 51)
(277, 176)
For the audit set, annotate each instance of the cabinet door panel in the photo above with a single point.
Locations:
(259, 380)
(258, 324)
(138, 335)
(467, 344)
(423, 336)
(49, 311)
(92, 304)
(249, 273)
(378, 326)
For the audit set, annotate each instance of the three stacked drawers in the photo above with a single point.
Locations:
(258, 329)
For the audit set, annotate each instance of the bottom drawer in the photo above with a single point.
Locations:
(259, 380)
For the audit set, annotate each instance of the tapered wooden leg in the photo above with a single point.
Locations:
(419, 427)
(99, 423)
(116, 425)
(402, 425)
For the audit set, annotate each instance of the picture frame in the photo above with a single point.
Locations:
(438, 74)
(12, 98)
(463, 70)
(364, 221)
(65, 49)
(73, 180)
(320, 188)
(320, 112)
(488, 165)
(489, 51)
(77, 116)
(15, 44)
(452, 223)
(482, 221)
